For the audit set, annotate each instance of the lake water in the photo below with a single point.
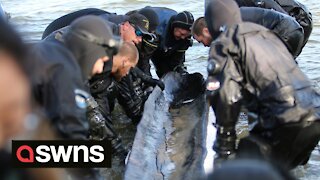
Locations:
(32, 16)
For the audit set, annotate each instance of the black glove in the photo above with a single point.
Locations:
(156, 82)
(181, 69)
(225, 144)
(160, 84)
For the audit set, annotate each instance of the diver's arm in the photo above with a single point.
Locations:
(147, 79)
(267, 4)
(227, 112)
(63, 97)
(225, 100)
(270, 4)
(101, 128)
(180, 56)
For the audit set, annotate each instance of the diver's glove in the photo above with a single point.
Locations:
(190, 42)
(155, 82)
(146, 79)
(160, 84)
(225, 144)
(181, 69)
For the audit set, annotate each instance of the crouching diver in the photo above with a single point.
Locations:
(290, 7)
(250, 67)
(288, 30)
(175, 38)
(134, 89)
(120, 59)
(61, 68)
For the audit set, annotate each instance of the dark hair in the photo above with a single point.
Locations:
(131, 12)
(198, 26)
(10, 41)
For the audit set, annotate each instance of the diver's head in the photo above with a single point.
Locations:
(181, 25)
(91, 41)
(134, 28)
(126, 59)
(221, 14)
(200, 32)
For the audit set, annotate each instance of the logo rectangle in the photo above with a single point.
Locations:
(61, 154)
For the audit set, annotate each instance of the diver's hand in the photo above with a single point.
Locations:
(156, 82)
(181, 69)
(160, 84)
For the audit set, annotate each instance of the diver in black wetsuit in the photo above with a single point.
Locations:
(289, 31)
(174, 32)
(290, 7)
(250, 67)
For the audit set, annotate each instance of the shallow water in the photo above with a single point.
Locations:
(32, 16)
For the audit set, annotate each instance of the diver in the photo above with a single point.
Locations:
(250, 67)
(174, 32)
(173, 38)
(167, 25)
(148, 45)
(289, 31)
(131, 28)
(290, 7)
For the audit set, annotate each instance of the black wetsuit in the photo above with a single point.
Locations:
(57, 87)
(59, 90)
(101, 88)
(256, 71)
(170, 55)
(286, 27)
(291, 7)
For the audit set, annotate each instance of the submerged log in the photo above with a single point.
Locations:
(170, 139)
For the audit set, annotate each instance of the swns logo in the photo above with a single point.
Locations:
(64, 154)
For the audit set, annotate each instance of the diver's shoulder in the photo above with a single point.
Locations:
(248, 27)
(54, 53)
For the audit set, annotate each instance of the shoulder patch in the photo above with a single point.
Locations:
(80, 98)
